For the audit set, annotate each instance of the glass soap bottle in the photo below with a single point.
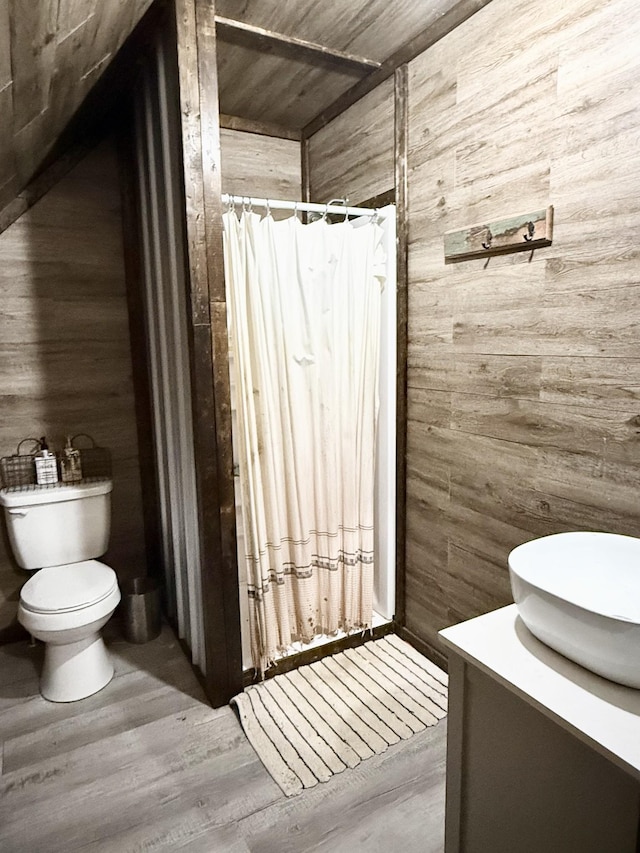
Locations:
(70, 464)
(46, 465)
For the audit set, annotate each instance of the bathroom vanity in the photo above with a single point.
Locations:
(543, 756)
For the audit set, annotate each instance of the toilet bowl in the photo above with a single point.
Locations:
(56, 532)
(66, 607)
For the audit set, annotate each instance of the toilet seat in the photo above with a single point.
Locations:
(68, 588)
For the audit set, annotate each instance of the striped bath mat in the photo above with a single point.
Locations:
(320, 719)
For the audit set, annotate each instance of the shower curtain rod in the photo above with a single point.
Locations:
(306, 206)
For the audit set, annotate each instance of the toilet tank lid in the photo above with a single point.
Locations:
(69, 587)
(33, 495)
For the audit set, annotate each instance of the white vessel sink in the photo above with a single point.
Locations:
(580, 594)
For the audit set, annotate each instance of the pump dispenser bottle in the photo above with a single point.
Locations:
(46, 465)
(70, 464)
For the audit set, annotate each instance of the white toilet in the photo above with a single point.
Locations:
(59, 530)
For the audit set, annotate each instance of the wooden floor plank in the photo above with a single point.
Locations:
(394, 799)
(19, 663)
(132, 700)
(211, 763)
(194, 830)
(146, 764)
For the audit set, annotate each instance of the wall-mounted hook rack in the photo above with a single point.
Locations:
(517, 233)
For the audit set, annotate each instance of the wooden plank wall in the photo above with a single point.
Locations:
(261, 166)
(353, 155)
(51, 54)
(524, 372)
(65, 363)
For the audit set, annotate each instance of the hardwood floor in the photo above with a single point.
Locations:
(146, 764)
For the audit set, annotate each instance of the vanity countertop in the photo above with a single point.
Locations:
(604, 715)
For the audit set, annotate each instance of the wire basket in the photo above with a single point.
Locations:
(95, 461)
(20, 469)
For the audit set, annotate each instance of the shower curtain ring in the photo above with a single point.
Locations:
(326, 212)
(267, 207)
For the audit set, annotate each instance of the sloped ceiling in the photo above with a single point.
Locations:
(51, 54)
(53, 51)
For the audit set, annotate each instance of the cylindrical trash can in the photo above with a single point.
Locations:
(141, 609)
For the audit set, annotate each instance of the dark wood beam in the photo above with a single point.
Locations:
(198, 83)
(237, 32)
(414, 47)
(377, 201)
(401, 146)
(331, 647)
(305, 170)
(262, 128)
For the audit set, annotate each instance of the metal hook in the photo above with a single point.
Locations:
(326, 212)
(343, 201)
(487, 245)
(531, 230)
(267, 208)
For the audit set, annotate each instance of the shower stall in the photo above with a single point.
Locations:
(193, 496)
(277, 563)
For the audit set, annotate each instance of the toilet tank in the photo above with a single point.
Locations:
(54, 525)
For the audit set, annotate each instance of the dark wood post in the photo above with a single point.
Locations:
(207, 318)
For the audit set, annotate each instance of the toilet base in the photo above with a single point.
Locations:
(73, 671)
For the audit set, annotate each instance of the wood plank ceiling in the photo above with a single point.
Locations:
(53, 51)
(263, 83)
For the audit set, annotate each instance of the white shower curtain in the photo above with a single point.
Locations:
(304, 316)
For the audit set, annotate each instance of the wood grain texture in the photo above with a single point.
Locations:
(269, 41)
(220, 577)
(65, 361)
(354, 155)
(441, 19)
(263, 128)
(294, 92)
(175, 774)
(196, 53)
(523, 415)
(371, 28)
(51, 54)
(260, 166)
